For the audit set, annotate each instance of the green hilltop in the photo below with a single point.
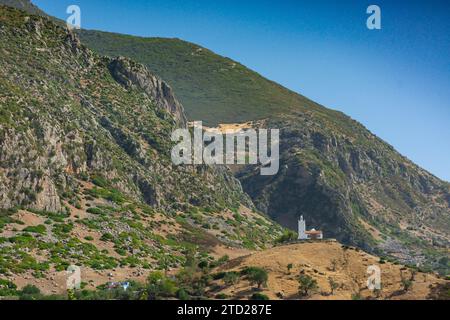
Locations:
(212, 88)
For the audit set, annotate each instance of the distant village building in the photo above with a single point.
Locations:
(313, 234)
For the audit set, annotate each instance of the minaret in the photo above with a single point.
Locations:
(302, 229)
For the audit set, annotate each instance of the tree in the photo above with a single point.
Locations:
(257, 276)
(289, 267)
(259, 296)
(306, 285)
(407, 283)
(159, 286)
(287, 236)
(333, 285)
(31, 289)
(334, 264)
(231, 278)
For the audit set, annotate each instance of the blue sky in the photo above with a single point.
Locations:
(396, 81)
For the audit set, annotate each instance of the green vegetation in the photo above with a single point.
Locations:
(333, 285)
(41, 229)
(259, 296)
(202, 80)
(307, 285)
(256, 276)
(287, 236)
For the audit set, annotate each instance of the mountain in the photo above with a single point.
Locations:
(341, 177)
(86, 176)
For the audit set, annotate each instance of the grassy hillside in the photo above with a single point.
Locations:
(85, 170)
(212, 88)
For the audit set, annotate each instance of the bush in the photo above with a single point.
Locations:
(256, 276)
(96, 211)
(306, 285)
(182, 295)
(159, 286)
(287, 236)
(259, 296)
(7, 288)
(222, 260)
(203, 264)
(231, 278)
(106, 237)
(40, 229)
(30, 292)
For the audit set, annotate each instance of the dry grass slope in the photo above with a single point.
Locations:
(322, 261)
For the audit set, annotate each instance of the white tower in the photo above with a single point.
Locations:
(302, 229)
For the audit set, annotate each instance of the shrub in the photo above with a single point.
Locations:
(333, 285)
(182, 295)
(222, 260)
(203, 264)
(289, 267)
(40, 229)
(95, 211)
(30, 292)
(159, 286)
(7, 288)
(106, 237)
(259, 296)
(222, 296)
(306, 285)
(231, 278)
(257, 276)
(287, 236)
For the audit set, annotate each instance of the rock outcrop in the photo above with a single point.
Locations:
(128, 73)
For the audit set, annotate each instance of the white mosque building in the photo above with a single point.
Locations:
(313, 234)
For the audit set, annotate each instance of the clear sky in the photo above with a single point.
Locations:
(396, 81)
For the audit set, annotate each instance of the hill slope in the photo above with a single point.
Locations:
(322, 261)
(212, 88)
(85, 170)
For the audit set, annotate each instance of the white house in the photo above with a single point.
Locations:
(308, 235)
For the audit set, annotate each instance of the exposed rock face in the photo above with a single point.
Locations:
(354, 187)
(65, 117)
(129, 73)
